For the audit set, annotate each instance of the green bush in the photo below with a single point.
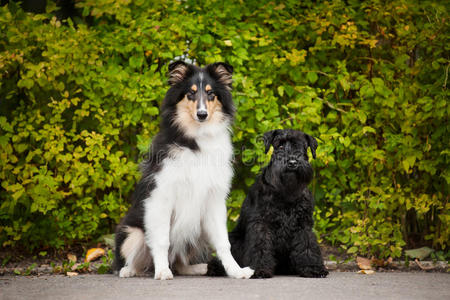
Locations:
(79, 105)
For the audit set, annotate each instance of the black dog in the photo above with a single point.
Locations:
(274, 231)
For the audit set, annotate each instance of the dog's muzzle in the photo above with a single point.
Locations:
(292, 163)
(202, 115)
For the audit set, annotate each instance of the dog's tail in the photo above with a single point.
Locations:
(215, 268)
(119, 261)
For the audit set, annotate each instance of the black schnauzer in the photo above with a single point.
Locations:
(274, 231)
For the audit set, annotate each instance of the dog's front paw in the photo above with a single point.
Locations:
(313, 272)
(127, 272)
(240, 273)
(262, 273)
(164, 274)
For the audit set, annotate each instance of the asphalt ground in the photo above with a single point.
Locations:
(338, 285)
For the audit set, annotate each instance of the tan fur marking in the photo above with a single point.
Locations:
(194, 87)
(214, 109)
(187, 112)
(185, 119)
(208, 87)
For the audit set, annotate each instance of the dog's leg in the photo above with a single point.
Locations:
(157, 217)
(259, 253)
(216, 229)
(306, 257)
(198, 269)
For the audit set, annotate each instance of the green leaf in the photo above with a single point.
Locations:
(312, 77)
(419, 253)
(352, 250)
(367, 91)
(368, 129)
(345, 84)
(136, 61)
(26, 83)
(108, 240)
(207, 38)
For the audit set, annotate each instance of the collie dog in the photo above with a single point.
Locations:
(179, 206)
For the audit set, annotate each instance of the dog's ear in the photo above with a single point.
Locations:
(177, 72)
(268, 138)
(312, 143)
(222, 72)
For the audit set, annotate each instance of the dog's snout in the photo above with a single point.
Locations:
(202, 115)
(292, 164)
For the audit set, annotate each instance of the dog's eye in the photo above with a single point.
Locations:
(281, 147)
(191, 94)
(210, 95)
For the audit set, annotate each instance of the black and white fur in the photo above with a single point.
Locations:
(274, 232)
(179, 209)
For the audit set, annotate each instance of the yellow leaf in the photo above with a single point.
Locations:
(94, 253)
(367, 272)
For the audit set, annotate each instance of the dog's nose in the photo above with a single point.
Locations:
(292, 164)
(202, 115)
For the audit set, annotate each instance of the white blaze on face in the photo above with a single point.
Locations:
(201, 106)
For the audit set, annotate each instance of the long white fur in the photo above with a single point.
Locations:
(189, 203)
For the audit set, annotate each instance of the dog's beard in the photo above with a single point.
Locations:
(304, 172)
(288, 181)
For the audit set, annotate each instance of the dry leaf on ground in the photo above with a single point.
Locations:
(364, 263)
(94, 253)
(74, 267)
(381, 262)
(70, 274)
(368, 272)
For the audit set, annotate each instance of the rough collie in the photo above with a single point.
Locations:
(179, 211)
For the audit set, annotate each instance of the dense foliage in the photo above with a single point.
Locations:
(79, 105)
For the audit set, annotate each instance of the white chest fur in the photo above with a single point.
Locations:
(187, 184)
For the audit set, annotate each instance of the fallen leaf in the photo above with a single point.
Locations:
(368, 272)
(70, 274)
(381, 262)
(74, 267)
(94, 253)
(420, 253)
(364, 263)
(72, 257)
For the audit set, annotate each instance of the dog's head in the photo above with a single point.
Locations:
(200, 96)
(290, 155)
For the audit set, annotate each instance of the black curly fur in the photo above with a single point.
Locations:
(274, 231)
